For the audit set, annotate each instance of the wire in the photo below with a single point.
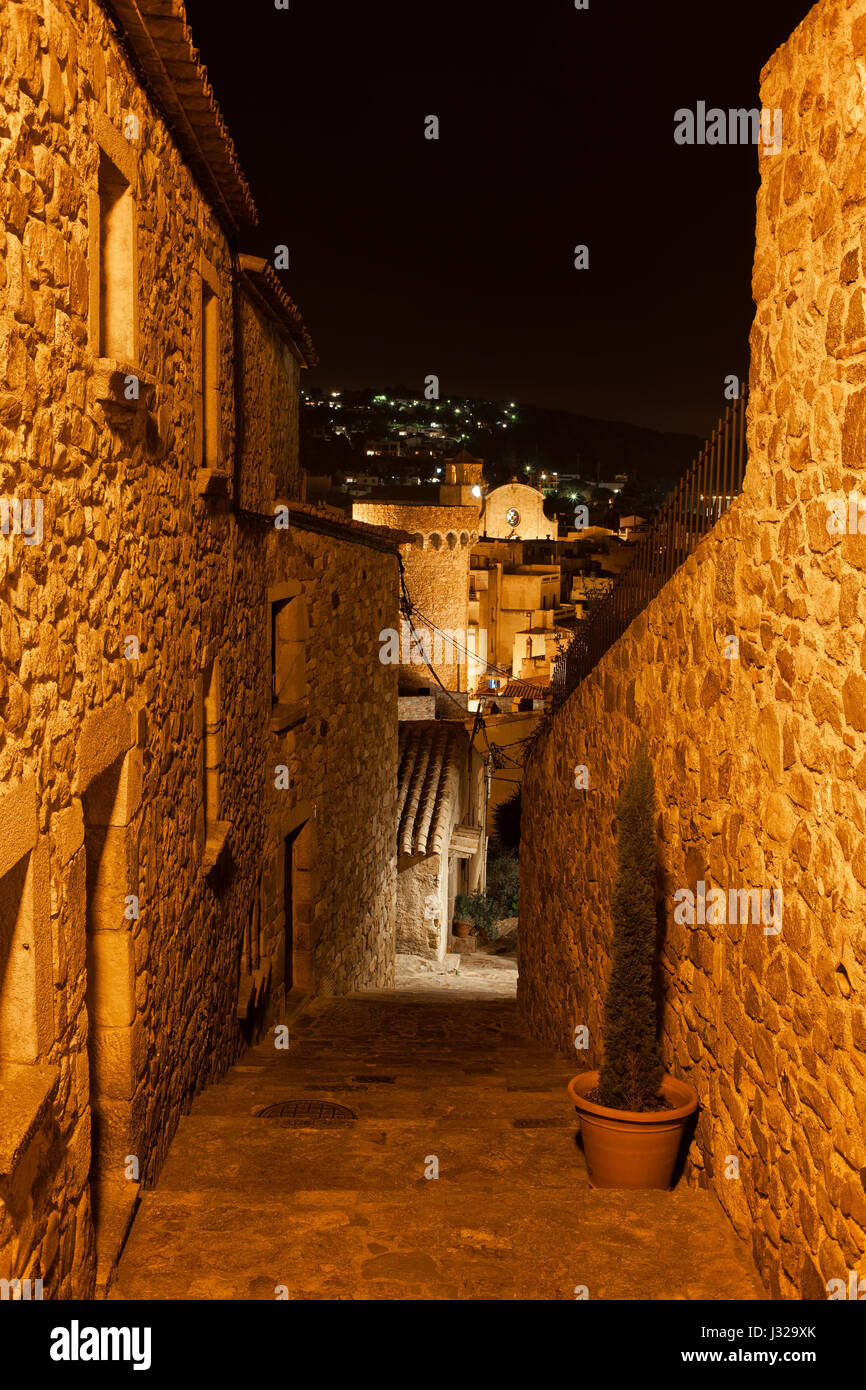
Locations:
(496, 754)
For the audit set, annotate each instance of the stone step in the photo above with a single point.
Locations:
(233, 1152)
(372, 1103)
(435, 1244)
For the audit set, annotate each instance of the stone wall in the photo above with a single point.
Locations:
(137, 740)
(759, 745)
(436, 567)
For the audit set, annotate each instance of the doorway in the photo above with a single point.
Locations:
(288, 943)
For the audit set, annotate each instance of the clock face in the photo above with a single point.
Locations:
(512, 516)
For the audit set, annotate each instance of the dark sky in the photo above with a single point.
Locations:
(455, 257)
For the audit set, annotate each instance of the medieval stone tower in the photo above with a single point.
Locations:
(436, 572)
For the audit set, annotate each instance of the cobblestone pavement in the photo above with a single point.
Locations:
(245, 1205)
(482, 975)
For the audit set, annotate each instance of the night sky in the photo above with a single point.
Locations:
(455, 257)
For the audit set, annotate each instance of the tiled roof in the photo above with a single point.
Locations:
(159, 41)
(428, 784)
(523, 690)
(263, 279)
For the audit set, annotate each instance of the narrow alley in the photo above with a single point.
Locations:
(436, 1072)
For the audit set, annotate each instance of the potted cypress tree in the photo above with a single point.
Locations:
(632, 1115)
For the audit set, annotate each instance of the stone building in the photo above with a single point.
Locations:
(198, 746)
(442, 831)
(745, 675)
(515, 511)
(435, 558)
(515, 604)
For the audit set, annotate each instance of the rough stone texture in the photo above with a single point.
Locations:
(760, 761)
(127, 752)
(436, 567)
(250, 1208)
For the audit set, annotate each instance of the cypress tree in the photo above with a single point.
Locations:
(631, 1073)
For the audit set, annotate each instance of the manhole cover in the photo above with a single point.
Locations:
(309, 1114)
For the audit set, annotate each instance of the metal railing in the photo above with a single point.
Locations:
(701, 497)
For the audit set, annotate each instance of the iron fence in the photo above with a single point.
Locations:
(701, 497)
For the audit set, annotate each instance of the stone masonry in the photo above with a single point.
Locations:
(198, 745)
(436, 564)
(759, 747)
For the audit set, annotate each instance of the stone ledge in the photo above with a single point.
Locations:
(108, 382)
(215, 845)
(212, 483)
(285, 717)
(26, 1093)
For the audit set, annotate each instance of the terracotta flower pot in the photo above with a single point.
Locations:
(631, 1148)
(461, 928)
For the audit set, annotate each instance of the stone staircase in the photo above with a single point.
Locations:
(252, 1208)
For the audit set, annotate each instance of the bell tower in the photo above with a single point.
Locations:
(463, 473)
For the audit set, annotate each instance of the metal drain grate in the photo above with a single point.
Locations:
(309, 1114)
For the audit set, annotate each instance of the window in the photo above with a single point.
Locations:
(209, 377)
(117, 264)
(288, 651)
(213, 741)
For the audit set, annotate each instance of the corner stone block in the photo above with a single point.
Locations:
(116, 1059)
(18, 824)
(110, 979)
(118, 1130)
(67, 831)
(112, 874)
(106, 735)
(115, 795)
